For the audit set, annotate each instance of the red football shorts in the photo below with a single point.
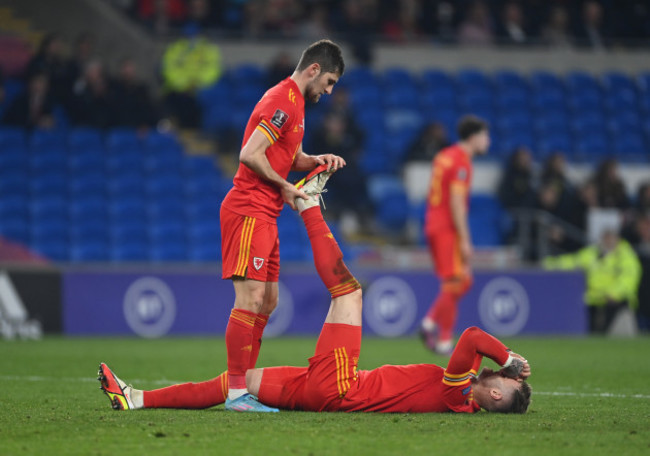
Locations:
(445, 252)
(331, 373)
(250, 248)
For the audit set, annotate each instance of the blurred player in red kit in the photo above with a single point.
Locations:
(271, 148)
(447, 232)
(331, 381)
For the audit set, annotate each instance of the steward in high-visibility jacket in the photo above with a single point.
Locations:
(613, 273)
(190, 64)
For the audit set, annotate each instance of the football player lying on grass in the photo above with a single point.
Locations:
(331, 381)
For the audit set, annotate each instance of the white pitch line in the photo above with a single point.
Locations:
(36, 378)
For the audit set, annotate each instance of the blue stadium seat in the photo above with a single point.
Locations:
(397, 77)
(46, 139)
(166, 163)
(125, 161)
(12, 137)
(545, 100)
(129, 231)
(578, 81)
(46, 185)
(121, 138)
(129, 251)
(54, 159)
(359, 77)
(216, 94)
(199, 167)
(156, 142)
(166, 209)
(204, 252)
(508, 80)
(365, 96)
(247, 74)
(471, 79)
(13, 182)
(615, 81)
(164, 185)
(87, 184)
(169, 251)
(200, 188)
(476, 99)
(400, 97)
(630, 145)
(53, 249)
(126, 186)
(88, 207)
(586, 100)
(556, 142)
(544, 81)
(88, 161)
(14, 159)
(14, 205)
(203, 211)
(88, 230)
(15, 229)
(85, 138)
(509, 99)
(588, 122)
(593, 147)
(627, 122)
(437, 99)
(438, 80)
(620, 102)
(89, 251)
(127, 210)
(390, 197)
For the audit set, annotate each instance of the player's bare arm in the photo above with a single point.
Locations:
(305, 162)
(253, 155)
(459, 217)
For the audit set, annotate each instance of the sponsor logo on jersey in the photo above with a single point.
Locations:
(258, 263)
(467, 390)
(279, 118)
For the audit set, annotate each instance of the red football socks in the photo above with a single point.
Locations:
(258, 330)
(327, 255)
(444, 310)
(189, 395)
(239, 345)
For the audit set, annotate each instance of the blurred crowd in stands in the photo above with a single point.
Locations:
(479, 22)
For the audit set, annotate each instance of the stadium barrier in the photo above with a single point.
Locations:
(154, 303)
(30, 302)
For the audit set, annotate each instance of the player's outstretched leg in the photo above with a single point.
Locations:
(184, 396)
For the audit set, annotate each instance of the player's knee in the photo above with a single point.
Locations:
(270, 302)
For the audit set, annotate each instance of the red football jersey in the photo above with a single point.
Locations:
(451, 167)
(416, 388)
(280, 116)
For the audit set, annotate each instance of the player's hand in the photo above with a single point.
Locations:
(466, 250)
(332, 161)
(519, 369)
(290, 193)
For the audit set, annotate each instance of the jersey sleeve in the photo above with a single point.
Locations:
(459, 176)
(276, 117)
(472, 346)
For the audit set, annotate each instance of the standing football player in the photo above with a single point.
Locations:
(272, 147)
(447, 230)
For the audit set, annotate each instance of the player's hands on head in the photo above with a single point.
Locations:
(334, 162)
(290, 193)
(519, 369)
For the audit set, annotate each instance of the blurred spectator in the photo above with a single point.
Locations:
(281, 67)
(49, 59)
(337, 136)
(159, 15)
(92, 104)
(554, 174)
(32, 108)
(281, 17)
(591, 31)
(316, 26)
(133, 107)
(549, 200)
(189, 64)
(431, 139)
(476, 28)
(610, 187)
(198, 12)
(556, 31)
(402, 24)
(642, 246)
(512, 29)
(438, 19)
(587, 199)
(82, 53)
(612, 271)
(516, 190)
(359, 24)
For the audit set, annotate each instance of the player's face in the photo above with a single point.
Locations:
(481, 142)
(323, 83)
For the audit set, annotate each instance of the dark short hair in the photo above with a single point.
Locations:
(469, 125)
(520, 400)
(326, 53)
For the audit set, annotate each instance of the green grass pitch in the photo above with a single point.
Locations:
(591, 396)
